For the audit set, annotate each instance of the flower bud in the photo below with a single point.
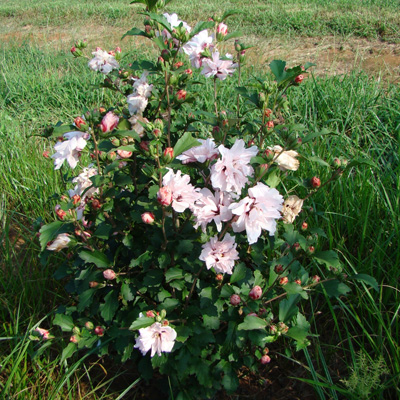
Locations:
(265, 359)
(252, 314)
(93, 284)
(304, 226)
(44, 333)
(282, 328)
(95, 204)
(60, 213)
(73, 339)
(315, 182)
(150, 314)
(124, 153)
(297, 281)
(336, 163)
(109, 122)
(81, 44)
(316, 278)
(255, 293)
(76, 52)
(76, 199)
(99, 331)
(284, 281)
(235, 300)
(181, 95)
(89, 325)
(79, 121)
(269, 154)
(311, 250)
(242, 57)
(273, 329)
(279, 269)
(267, 112)
(296, 246)
(178, 64)
(299, 79)
(144, 146)
(219, 277)
(168, 154)
(109, 274)
(222, 31)
(164, 196)
(266, 350)
(148, 217)
(165, 55)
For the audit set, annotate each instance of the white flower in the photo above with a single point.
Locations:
(184, 194)
(258, 211)
(157, 338)
(174, 21)
(230, 173)
(206, 151)
(217, 67)
(103, 62)
(286, 160)
(141, 86)
(220, 255)
(69, 149)
(291, 209)
(212, 208)
(60, 242)
(196, 45)
(136, 103)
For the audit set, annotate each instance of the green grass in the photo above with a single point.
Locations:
(39, 86)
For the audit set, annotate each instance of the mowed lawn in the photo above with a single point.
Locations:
(41, 84)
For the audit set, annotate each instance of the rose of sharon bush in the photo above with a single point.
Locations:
(176, 217)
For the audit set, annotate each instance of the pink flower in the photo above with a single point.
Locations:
(230, 173)
(44, 333)
(164, 196)
(103, 62)
(212, 207)
(258, 211)
(222, 29)
(220, 255)
(99, 331)
(255, 293)
(195, 46)
(157, 338)
(217, 67)
(124, 153)
(184, 194)
(148, 217)
(205, 152)
(109, 122)
(142, 88)
(109, 274)
(69, 149)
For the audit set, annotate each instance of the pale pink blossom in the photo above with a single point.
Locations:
(205, 152)
(124, 153)
(157, 338)
(44, 333)
(196, 45)
(70, 149)
(60, 242)
(174, 21)
(258, 211)
(220, 255)
(217, 67)
(222, 29)
(109, 122)
(183, 193)
(148, 217)
(231, 173)
(136, 103)
(286, 160)
(212, 207)
(103, 62)
(109, 274)
(142, 88)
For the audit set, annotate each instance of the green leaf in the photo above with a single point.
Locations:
(318, 160)
(184, 143)
(68, 351)
(229, 13)
(315, 135)
(233, 35)
(142, 322)
(65, 322)
(239, 272)
(160, 19)
(335, 288)
(173, 273)
(278, 69)
(210, 322)
(369, 280)
(230, 381)
(134, 32)
(288, 308)
(95, 257)
(201, 26)
(110, 306)
(103, 231)
(127, 292)
(50, 231)
(329, 258)
(59, 130)
(252, 322)
(85, 299)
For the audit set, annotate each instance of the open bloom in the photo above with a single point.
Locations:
(206, 151)
(136, 104)
(60, 242)
(44, 333)
(217, 67)
(231, 173)
(141, 86)
(220, 255)
(157, 338)
(196, 45)
(212, 207)
(286, 160)
(174, 21)
(103, 62)
(183, 193)
(291, 209)
(259, 210)
(69, 149)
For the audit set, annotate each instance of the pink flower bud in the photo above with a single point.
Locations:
(252, 314)
(124, 153)
(178, 64)
(266, 350)
(299, 78)
(109, 274)
(164, 196)
(168, 154)
(222, 31)
(296, 246)
(118, 49)
(93, 284)
(298, 281)
(316, 278)
(109, 122)
(311, 249)
(284, 281)
(79, 121)
(148, 217)
(165, 322)
(144, 146)
(273, 329)
(181, 95)
(76, 199)
(267, 112)
(235, 300)
(59, 212)
(44, 333)
(188, 72)
(304, 226)
(95, 204)
(265, 359)
(219, 277)
(270, 124)
(99, 331)
(315, 182)
(255, 293)
(150, 314)
(89, 325)
(46, 154)
(73, 339)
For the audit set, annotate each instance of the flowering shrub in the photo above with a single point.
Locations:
(186, 245)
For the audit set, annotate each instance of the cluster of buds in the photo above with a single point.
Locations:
(76, 50)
